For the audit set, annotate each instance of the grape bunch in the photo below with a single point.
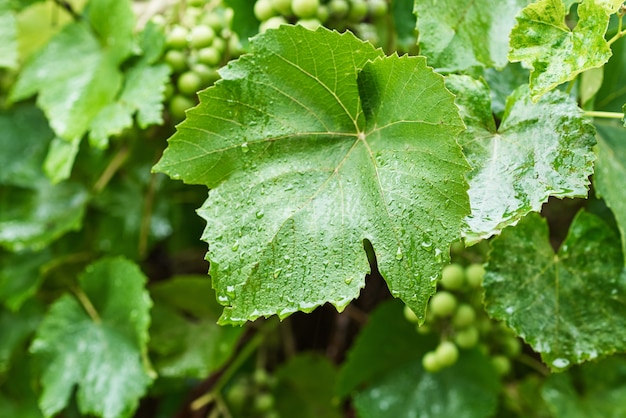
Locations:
(359, 16)
(199, 40)
(251, 395)
(456, 314)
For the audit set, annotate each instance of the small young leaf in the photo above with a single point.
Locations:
(568, 305)
(99, 346)
(539, 150)
(457, 35)
(556, 54)
(305, 162)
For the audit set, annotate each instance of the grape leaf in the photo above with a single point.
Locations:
(467, 389)
(297, 395)
(543, 42)
(539, 150)
(305, 163)
(597, 391)
(502, 83)
(15, 328)
(404, 23)
(388, 341)
(610, 173)
(17, 395)
(8, 38)
(457, 35)
(568, 305)
(20, 276)
(103, 352)
(184, 337)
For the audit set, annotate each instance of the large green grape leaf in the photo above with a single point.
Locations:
(568, 306)
(305, 163)
(539, 150)
(96, 341)
(467, 389)
(597, 390)
(610, 173)
(8, 38)
(554, 52)
(184, 336)
(457, 35)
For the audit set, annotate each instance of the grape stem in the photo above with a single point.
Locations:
(87, 305)
(116, 162)
(620, 32)
(605, 115)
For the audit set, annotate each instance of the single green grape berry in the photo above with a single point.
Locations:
(209, 75)
(443, 304)
(263, 402)
(196, 3)
(502, 364)
(338, 9)
(322, 13)
(511, 346)
(475, 274)
(464, 316)
(453, 276)
(410, 315)
(201, 36)
(234, 45)
(467, 338)
(177, 37)
(310, 24)
(220, 44)
(358, 11)
(237, 394)
(282, 6)
(209, 56)
(457, 248)
(377, 8)
(263, 10)
(423, 329)
(214, 20)
(177, 60)
(178, 105)
(447, 353)
(189, 83)
(305, 8)
(261, 377)
(272, 23)
(430, 362)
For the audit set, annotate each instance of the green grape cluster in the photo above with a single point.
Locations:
(359, 16)
(456, 314)
(251, 395)
(199, 40)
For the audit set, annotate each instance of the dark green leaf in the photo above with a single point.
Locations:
(300, 395)
(20, 276)
(468, 389)
(17, 395)
(568, 305)
(539, 150)
(245, 24)
(542, 41)
(457, 35)
(103, 352)
(305, 163)
(15, 329)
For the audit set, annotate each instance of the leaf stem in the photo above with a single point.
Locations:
(146, 217)
(620, 32)
(87, 305)
(605, 115)
(108, 173)
(533, 363)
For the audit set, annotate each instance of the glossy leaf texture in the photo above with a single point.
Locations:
(185, 340)
(554, 52)
(310, 145)
(458, 35)
(8, 37)
(539, 150)
(610, 173)
(568, 306)
(97, 342)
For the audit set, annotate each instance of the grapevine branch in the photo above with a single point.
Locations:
(604, 115)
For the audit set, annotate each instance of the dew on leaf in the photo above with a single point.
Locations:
(230, 290)
(244, 147)
(277, 272)
(428, 246)
(348, 280)
(399, 254)
(235, 246)
(259, 214)
(560, 363)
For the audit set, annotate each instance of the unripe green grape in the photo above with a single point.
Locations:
(453, 276)
(457, 248)
(272, 23)
(464, 316)
(377, 8)
(237, 395)
(209, 56)
(177, 60)
(196, 3)
(305, 8)
(214, 20)
(189, 83)
(311, 24)
(208, 74)
(338, 8)
(263, 10)
(178, 105)
(443, 304)
(177, 37)
(430, 362)
(502, 364)
(410, 315)
(261, 377)
(220, 44)
(423, 329)
(263, 402)
(234, 45)
(447, 353)
(358, 11)
(201, 36)
(475, 274)
(467, 338)
(169, 91)
(282, 6)
(511, 346)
